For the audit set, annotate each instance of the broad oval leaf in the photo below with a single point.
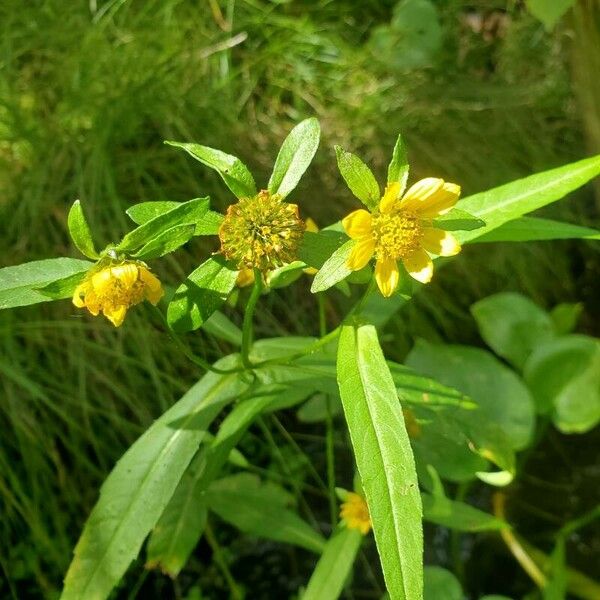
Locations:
(549, 12)
(358, 177)
(384, 459)
(186, 213)
(201, 294)
(138, 489)
(232, 170)
(334, 269)
(332, 570)
(512, 200)
(316, 248)
(80, 231)
(441, 584)
(295, 154)
(21, 285)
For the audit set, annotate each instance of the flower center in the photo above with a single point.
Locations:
(262, 232)
(396, 235)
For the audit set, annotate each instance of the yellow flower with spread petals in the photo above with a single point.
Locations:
(113, 289)
(355, 513)
(402, 229)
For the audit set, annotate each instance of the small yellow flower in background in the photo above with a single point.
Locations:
(402, 229)
(262, 232)
(112, 289)
(355, 513)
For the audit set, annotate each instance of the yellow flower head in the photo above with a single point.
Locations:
(262, 232)
(113, 288)
(402, 229)
(355, 513)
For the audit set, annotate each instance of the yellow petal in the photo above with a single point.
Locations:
(419, 266)
(440, 242)
(80, 293)
(419, 193)
(361, 253)
(387, 276)
(441, 202)
(390, 197)
(92, 303)
(245, 278)
(357, 224)
(102, 281)
(127, 273)
(115, 314)
(153, 288)
(311, 225)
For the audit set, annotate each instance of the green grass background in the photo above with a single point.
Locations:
(88, 92)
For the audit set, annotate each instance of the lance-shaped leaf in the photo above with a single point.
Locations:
(398, 167)
(296, 153)
(384, 459)
(512, 200)
(334, 566)
(184, 214)
(334, 270)
(232, 170)
(201, 294)
(145, 211)
(358, 176)
(137, 490)
(20, 285)
(458, 220)
(80, 231)
(532, 229)
(167, 241)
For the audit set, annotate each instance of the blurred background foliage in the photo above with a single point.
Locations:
(483, 92)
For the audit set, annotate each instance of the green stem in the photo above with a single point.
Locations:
(221, 563)
(247, 327)
(329, 453)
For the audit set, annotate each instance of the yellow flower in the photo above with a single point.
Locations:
(313, 228)
(262, 232)
(402, 229)
(112, 289)
(355, 513)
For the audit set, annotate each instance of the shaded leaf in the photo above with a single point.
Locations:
(358, 177)
(167, 241)
(398, 168)
(456, 220)
(80, 231)
(441, 584)
(334, 269)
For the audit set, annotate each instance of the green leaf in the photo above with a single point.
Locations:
(564, 377)
(145, 211)
(286, 275)
(512, 325)
(398, 168)
(256, 509)
(222, 327)
(186, 213)
(166, 242)
(334, 566)
(62, 288)
(549, 11)
(296, 153)
(458, 515)
(315, 409)
(358, 177)
(334, 269)
(565, 316)
(20, 285)
(201, 294)
(500, 394)
(384, 459)
(80, 231)
(140, 486)
(532, 229)
(512, 200)
(232, 170)
(456, 220)
(316, 248)
(495, 597)
(180, 526)
(441, 584)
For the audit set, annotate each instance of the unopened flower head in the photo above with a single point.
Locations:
(402, 229)
(112, 288)
(261, 232)
(355, 513)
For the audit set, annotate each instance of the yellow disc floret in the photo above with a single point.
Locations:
(396, 235)
(355, 513)
(261, 232)
(111, 289)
